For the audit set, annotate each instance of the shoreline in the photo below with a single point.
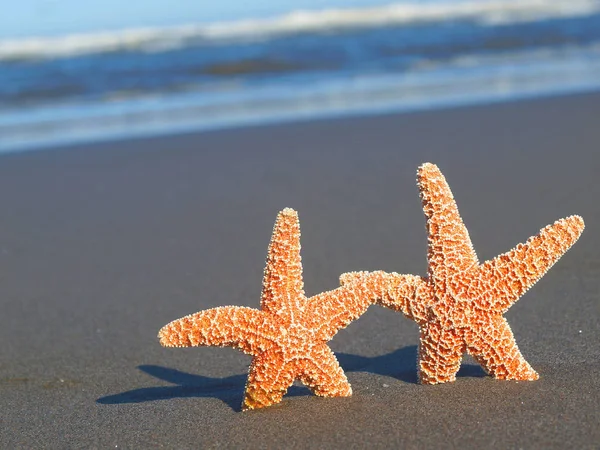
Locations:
(363, 113)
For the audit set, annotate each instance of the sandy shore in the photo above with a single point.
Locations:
(101, 246)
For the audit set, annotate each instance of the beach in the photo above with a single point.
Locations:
(102, 244)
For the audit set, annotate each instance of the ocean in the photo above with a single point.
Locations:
(302, 65)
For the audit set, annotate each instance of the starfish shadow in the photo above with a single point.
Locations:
(400, 364)
(229, 389)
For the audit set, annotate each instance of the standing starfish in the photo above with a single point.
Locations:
(288, 336)
(460, 305)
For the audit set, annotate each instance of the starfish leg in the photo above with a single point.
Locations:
(408, 294)
(323, 374)
(508, 276)
(440, 354)
(329, 312)
(269, 378)
(493, 346)
(282, 280)
(233, 326)
(450, 250)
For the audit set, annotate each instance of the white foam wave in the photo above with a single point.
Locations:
(155, 39)
(521, 74)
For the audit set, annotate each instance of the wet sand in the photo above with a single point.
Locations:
(101, 245)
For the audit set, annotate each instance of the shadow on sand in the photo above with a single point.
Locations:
(399, 364)
(229, 389)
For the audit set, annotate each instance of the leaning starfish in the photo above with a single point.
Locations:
(460, 305)
(288, 336)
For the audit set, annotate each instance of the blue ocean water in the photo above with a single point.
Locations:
(305, 64)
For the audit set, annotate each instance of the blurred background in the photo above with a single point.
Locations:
(79, 71)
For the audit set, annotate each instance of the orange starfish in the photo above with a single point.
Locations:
(288, 336)
(459, 306)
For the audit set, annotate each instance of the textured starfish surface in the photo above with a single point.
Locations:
(288, 336)
(459, 306)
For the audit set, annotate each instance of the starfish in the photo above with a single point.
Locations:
(459, 306)
(288, 336)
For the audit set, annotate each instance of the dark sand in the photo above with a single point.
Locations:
(101, 246)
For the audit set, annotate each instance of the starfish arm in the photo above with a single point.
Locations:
(330, 311)
(408, 294)
(323, 374)
(507, 277)
(282, 281)
(269, 378)
(247, 329)
(494, 347)
(450, 250)
(440, 354)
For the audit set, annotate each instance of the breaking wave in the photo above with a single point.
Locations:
(492, 12)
